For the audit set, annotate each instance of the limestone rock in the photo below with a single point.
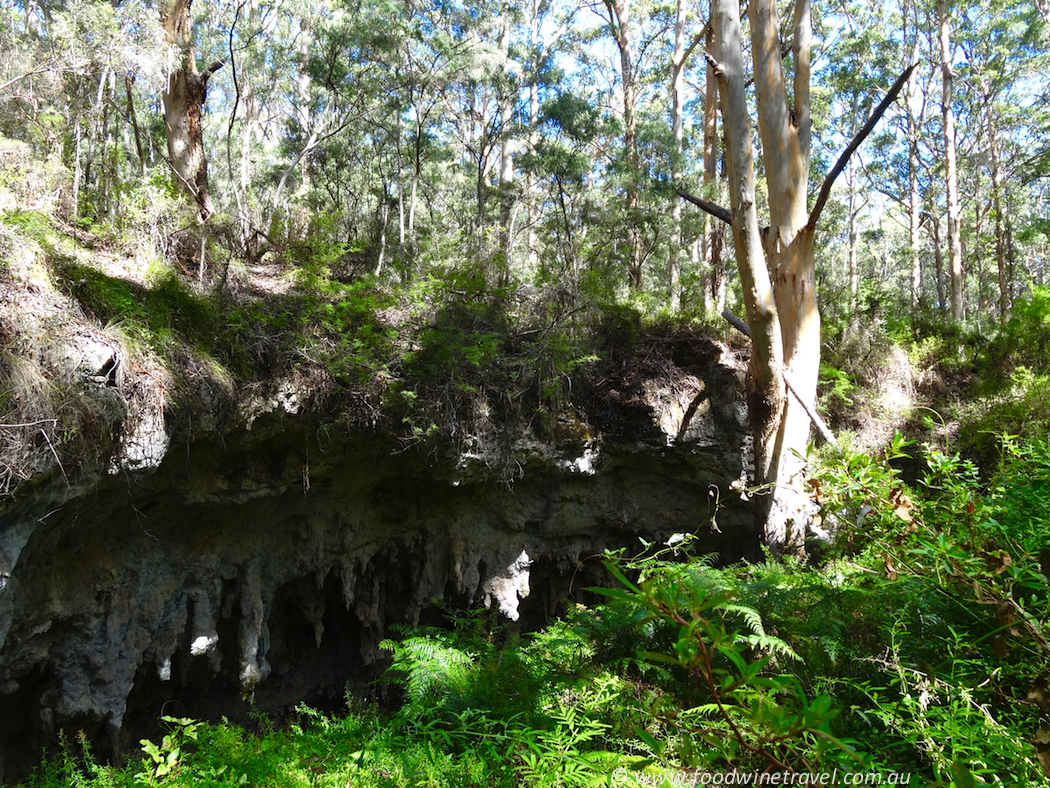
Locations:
(219, 562)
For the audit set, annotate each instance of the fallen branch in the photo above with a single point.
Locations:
(28, 424)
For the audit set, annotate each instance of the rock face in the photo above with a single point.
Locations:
(268, 558)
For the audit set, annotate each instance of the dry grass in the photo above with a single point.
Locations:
(885, 388)
(29, 400)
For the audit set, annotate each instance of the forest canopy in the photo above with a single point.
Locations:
(790, 164)
(544, 140)
(800, 166)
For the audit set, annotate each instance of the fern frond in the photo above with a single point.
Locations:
(705, 709)
(769, 643)
(751, 617)
(429, 669)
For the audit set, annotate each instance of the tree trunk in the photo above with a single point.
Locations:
(244, 93)
(914, 123)
(712, 243)
(252, 117)
(417, 172)
(508, 146)
(304, 109)
(955, 270)
(1003, 239)
(914, 209)
(531, 197)
(678, 58)
(384, 215)
(183, 98)
(934, 224)
(401, 218)
(717, 283)
(785, 136)
(852, 271)
(765, 385)
(784, 321)
(78, 166)
(678, 131)
(129, 80)
(621, 23)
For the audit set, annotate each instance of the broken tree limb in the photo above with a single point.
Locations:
(737, 323)
(818, 422)
(708, 207)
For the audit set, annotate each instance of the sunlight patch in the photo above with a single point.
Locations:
(510, 587)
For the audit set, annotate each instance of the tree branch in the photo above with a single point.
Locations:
(696, 42)
(236, 90)
(840, 165)
(206, 74)
(190, 187)
(818, 422)
(315, 139)
(10, 82)
(716, 211)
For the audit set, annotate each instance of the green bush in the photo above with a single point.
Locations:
(958, 595)
(1025, 339)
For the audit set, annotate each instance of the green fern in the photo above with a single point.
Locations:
(758, 639)
(751, 617)
(770, 644)
(429, 669)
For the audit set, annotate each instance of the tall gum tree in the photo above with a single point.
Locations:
(915, 111)
(776, 264)
(951, 176)
(183, 98)
(679, 56)
(621, 24)
(712, 237)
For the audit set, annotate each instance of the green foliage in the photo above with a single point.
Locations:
(34, 229)
(464, 337)
(165, 759)
(1012, 394)
(861, 495)
(1025, 339)
(1019, 405)
(161, 315)
(957, 598)
(77, 767)
(34, 225)
(746, 715)
(432, 669)
(554, 728)
(838, 388)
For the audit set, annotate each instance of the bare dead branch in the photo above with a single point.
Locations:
(190, 187)
(716, 211)
(696, 42)
(28, 424)
(236, 90)
(10, 82)
(737, 323)
(206, 74)
(840, 165)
